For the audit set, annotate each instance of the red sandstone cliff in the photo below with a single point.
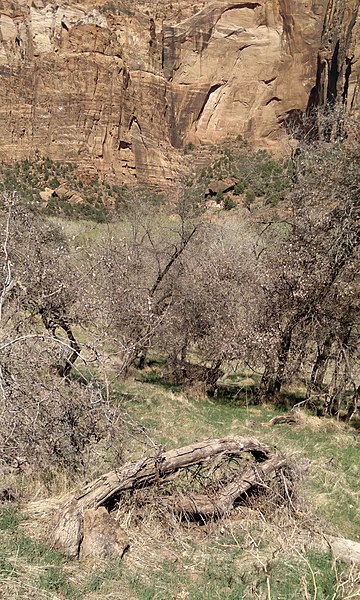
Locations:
(123, 87)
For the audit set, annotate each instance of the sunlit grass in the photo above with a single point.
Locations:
(174, 418)
(252, 555)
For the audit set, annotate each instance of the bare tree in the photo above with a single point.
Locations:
(210, 314)
(39, 277)
(50, 409)
(140, 270)
(313, 259)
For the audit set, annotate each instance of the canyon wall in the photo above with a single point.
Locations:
(121, 87)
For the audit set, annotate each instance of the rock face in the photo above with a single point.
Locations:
(123, 87)
(103, 538)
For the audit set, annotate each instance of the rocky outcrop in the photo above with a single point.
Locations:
(338, 73)
(102, 535)
(123, 87)
(238, 68)
(64, 192)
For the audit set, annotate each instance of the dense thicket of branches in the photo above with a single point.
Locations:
(50, 410)
(278, 294)
(311, 299)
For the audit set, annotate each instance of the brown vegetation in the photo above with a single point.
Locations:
(278, 295)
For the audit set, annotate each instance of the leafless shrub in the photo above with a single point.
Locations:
(310, 287)
(51, 410)
(139, 271)
(46, 422)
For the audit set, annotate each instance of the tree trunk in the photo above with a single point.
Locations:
(272, 378)
(184, 348)
(266, 389)
(316, 394)
(52, 322)
(285, 344)
(65, 368)
(142, 359)
(352, 408)
(319, 368)
(341, 376)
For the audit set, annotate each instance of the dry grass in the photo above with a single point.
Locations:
(12, 589)
(246, 553)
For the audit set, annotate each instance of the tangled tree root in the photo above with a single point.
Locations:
(249, 464)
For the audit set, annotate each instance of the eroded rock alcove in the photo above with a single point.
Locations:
(124, 88)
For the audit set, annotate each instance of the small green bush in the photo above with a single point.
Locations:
(239, 188)
(229, 203)
(249, 198)
(189, 148)
(219, 197)
(54, 183)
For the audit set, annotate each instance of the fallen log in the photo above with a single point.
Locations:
(345, 550)
(107, 490)
(292, 417)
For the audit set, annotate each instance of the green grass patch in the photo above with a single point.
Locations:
(101, 579)
(54, 580)
(310, 576)
(6, 568)
(35, 552)
(32, 563)
(223, 576)
(9, 519)
(217, 579)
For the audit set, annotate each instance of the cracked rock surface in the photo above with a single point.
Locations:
(124, 88)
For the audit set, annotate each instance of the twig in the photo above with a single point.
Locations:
(311, 571)
(287, 491)
(7, 263)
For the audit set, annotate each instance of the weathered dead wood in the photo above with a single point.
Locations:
(221, 504)
(345, 550)
(103, 536)
(180, 372)
(107, 489)
(292, 417)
